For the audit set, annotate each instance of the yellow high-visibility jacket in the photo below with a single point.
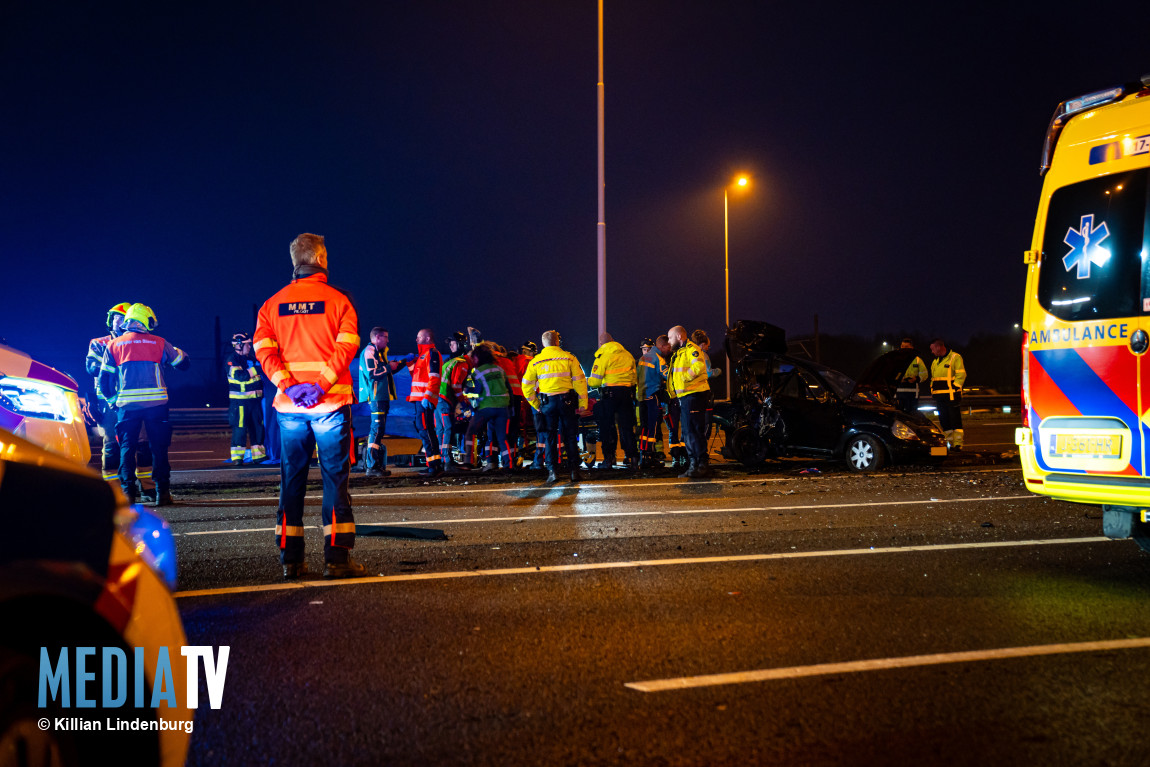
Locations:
(554, 371)
(947, 375)
(688, 374)
(614, 366)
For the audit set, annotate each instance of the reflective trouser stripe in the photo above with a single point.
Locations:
(237, 453)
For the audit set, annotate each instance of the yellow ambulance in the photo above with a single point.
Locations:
(1085, 432)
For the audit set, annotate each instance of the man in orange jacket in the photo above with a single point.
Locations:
(426, 371)
(306, 337)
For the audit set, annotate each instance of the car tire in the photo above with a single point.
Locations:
(864, 453)
(744, 446)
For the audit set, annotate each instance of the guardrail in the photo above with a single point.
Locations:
(198, 418)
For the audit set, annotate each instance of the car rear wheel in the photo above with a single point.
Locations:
(864, 453)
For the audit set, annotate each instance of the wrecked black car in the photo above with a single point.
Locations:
(785, 406)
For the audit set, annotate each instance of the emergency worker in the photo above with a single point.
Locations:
(377, 388)
(613, 373)
(527, 353)
(703, 341)
(507, 361)
(245, 400)
(651, 391)
(947, 376)
(554, 385)
(132, 379)
(493, 398)
(906, 393)
(425, 368)
(306, 337)
(688, 384)
(105, 411)
(456, 370)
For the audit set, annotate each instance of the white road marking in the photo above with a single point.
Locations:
(635, 564)
(521, 488)
(656, 513)
(880, 664)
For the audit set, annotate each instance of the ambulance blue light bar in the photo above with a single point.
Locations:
(1068, 109)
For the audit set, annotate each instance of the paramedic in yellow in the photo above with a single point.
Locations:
(947, 376)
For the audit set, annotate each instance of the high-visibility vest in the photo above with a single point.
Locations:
(554, 371)
(426, 375)
(244, 379)
(132, 371)
(455, 372)
(917, 371)
(491, 386)
(652, 375)
(688, 373)
(613, 366)
(947, 375)
(376, 383)
(308, 333)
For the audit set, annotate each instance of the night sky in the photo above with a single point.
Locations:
(168, 153)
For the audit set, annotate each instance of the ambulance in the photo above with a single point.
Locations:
(1085, 434)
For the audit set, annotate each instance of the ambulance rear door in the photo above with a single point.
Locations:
(1089, 381)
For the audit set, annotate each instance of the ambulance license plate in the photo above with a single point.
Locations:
(1067, 445)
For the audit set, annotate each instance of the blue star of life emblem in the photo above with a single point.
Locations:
(1086, 247)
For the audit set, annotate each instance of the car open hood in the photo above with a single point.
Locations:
(754, 337)
(884, 373)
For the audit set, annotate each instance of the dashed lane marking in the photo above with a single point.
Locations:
(882, 664)
(656, 513)
(632, 564)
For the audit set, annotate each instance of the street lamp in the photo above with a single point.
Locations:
(740, 182)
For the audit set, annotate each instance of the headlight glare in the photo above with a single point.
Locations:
(34, 399)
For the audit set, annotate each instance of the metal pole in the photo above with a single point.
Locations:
(602, 187)
(727, 284)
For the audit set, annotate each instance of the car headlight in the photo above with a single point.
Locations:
(34, 399)
(902, 431)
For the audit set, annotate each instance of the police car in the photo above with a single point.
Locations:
(42, 404)
(79, 568)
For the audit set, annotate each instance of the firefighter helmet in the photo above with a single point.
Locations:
(120, 309)
(142, 314)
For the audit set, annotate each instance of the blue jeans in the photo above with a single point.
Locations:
(617, 407)
(300, 434)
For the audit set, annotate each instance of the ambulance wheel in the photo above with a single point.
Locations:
(864, 453)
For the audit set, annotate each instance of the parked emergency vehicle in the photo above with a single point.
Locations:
(1085, 433)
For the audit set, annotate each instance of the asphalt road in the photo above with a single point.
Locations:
(926, 615)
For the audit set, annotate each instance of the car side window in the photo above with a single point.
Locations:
(813, 388)
(785, 380)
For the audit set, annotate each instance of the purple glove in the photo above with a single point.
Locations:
(295, 394)
(310, 395)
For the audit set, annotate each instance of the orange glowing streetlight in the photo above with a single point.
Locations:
(741, 182)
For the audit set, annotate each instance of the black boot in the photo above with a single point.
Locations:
(143, 494)
(552, 477)
(689, 472)
(163, 496)
(576, 475)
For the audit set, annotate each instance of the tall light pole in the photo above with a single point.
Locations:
(741, 182)
(602, 227)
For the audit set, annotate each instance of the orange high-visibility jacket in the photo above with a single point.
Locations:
(308, 333)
